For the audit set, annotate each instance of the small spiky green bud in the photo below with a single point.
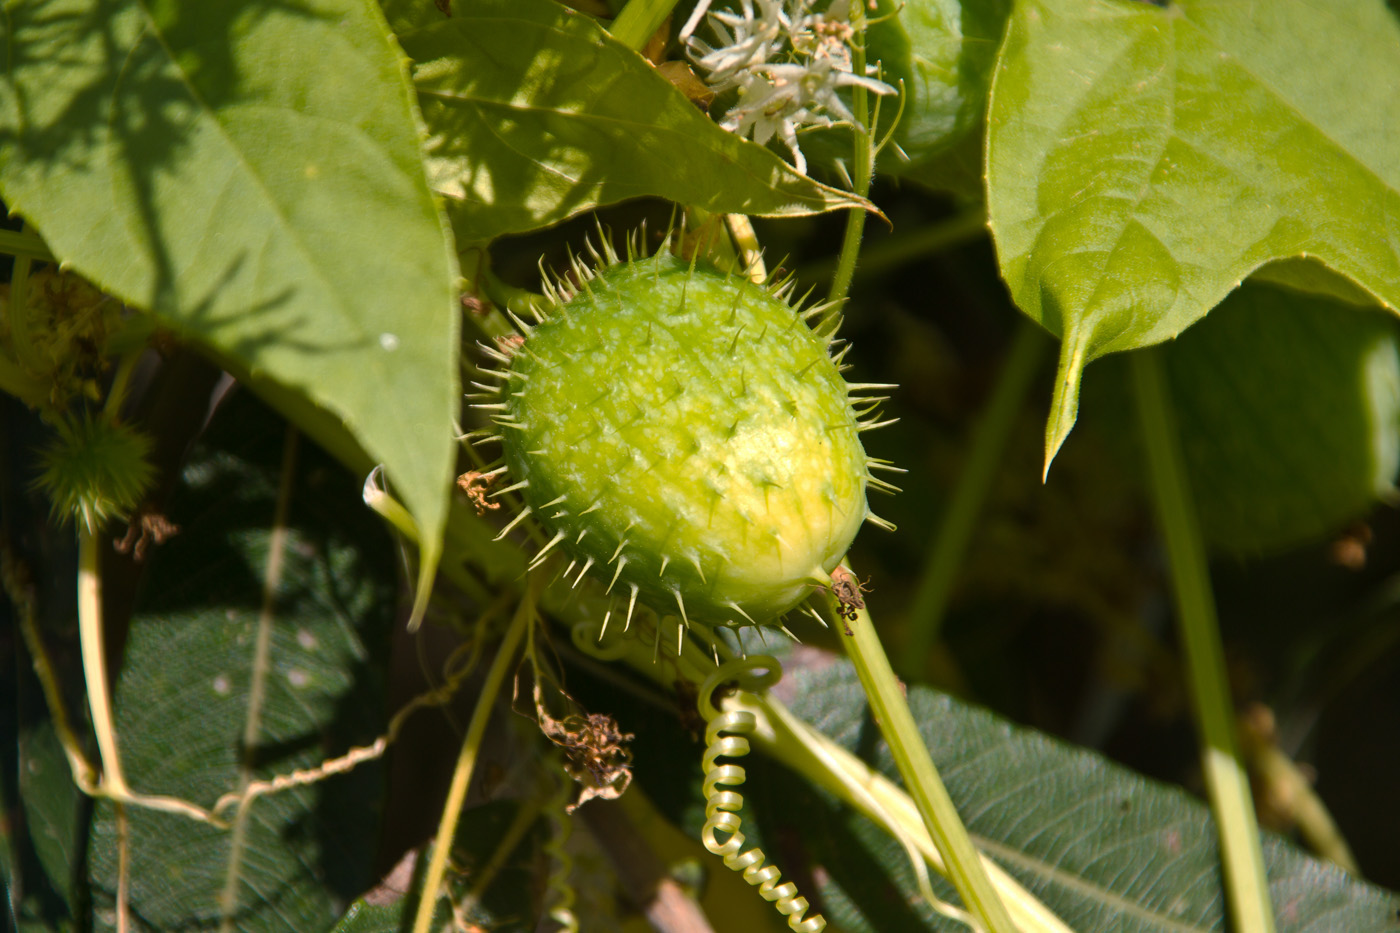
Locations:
(94, 470)
(686, 436)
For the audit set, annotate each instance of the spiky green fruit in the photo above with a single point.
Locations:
(95, 469)
(687, 437)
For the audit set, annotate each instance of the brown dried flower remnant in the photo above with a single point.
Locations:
(595, 752)
(146, 528)
(475, 485)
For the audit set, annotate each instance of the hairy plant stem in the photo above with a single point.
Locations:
(1227, 782)
(863, 160)
(639, 20)
(989, 438)
(886, 697)
(466, 758)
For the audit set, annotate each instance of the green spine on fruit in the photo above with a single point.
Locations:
(687, 437)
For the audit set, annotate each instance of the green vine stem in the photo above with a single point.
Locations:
(21, 595)
(466, 758)
(989, 438)
(863, 161)
(639, 20)
(789, 740)
(1227, 781)
(85, 776)
(121, 381)
(882, 255)
(26, 244)
(886, 697)
(803, 749)
(94, 652)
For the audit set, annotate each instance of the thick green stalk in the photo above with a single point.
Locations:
(1227, 783)
(466, 760)
(639, 20)
(886, 697)
(955, 531)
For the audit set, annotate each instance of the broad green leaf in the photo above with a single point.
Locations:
(252, 174)
(1143, 160)
(1103, 847)
(184, 692)
(943, 52)
(535, 114)
(405, 16)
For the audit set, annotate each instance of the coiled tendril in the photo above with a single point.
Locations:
(559, 889)
(724, 737)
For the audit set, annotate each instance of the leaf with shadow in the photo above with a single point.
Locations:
(943, 52)
(184, 691)
(535, 114)
(251, 173)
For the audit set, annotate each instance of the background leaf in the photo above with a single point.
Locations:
(506, 899)
(1063, 820)
(43, 829)
(1142, 160)
(535, 114)
(204, 163)
(1276, 460)
(943, 51)
(1288, 408)
(183, 694)
(44, 826)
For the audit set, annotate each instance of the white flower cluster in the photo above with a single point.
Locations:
(787, 62)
